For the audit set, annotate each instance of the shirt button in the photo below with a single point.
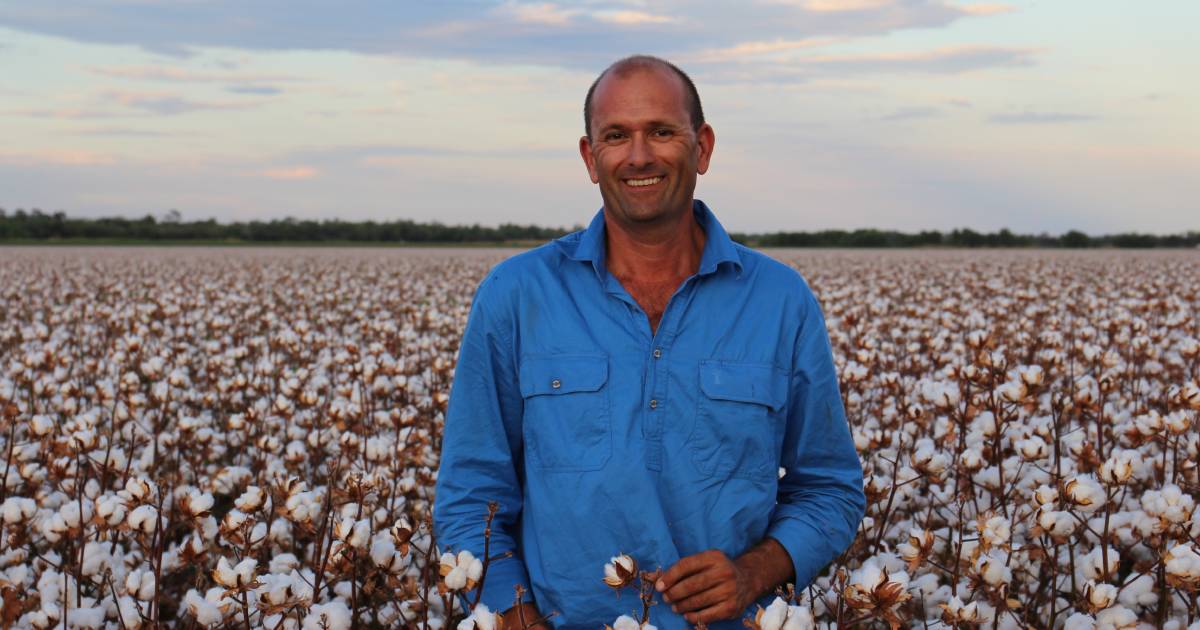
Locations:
(653, 404)
(657, 352)
(556, 383)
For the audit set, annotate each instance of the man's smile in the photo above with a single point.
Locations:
(648, 181)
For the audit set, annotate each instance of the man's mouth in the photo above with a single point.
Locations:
(649, 181)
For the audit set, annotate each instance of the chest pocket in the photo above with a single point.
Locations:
(735, 429)
(567, 421)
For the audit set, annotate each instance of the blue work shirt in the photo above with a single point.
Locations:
(597, 437)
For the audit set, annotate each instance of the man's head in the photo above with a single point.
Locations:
(646, 140)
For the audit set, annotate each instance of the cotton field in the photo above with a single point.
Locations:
(248, 438)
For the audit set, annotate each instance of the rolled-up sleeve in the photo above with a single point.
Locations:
(481, 450)
(820, 501)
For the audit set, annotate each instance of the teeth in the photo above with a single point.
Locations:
(643, 182)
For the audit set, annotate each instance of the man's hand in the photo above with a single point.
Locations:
(709, 586)
(706, 587)
(512, 618)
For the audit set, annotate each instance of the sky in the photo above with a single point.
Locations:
(1032, 115)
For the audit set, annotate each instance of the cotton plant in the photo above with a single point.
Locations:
(1027, 424)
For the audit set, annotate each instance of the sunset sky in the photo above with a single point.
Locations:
(1036, 115)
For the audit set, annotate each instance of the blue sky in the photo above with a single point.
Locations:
(1034, 115)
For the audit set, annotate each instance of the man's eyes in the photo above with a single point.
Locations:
(616, 136)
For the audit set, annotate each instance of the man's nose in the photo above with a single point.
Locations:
(640, 153)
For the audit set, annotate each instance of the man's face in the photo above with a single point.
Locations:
(643, 152)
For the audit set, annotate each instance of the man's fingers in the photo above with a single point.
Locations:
(689, 586)
(716, 612)
(685, 567)
(700, 600)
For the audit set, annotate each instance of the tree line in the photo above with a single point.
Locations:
(38, 226)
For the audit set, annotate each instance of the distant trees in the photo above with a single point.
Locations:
(35, 225)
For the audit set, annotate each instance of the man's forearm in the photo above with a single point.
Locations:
(767, 565)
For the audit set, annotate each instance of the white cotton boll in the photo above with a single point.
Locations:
(139, 583)
(139, 488)
(773, 616)
(74, 513)
(1099, 596)
(41, 425)
(1138, 593)
(1080, 621)
(1170, 504)
(53, 528)
(111, 509)
(198, 502)
(1116, 618)
(205, 612)
(996, 531)
(1091, 566)
(480, 619)
(143, 518)
(1085, 492)
(18, 509)
(129, 614)
(992, 569)
(625, 622)
(332, 616)
(86, 618)
(456, 579)
(97, 558)
(799, 618)
(250, 500)
(283, 563)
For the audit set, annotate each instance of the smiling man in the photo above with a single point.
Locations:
(647, 386)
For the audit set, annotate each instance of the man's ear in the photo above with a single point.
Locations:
(705, 138)
(585, 152)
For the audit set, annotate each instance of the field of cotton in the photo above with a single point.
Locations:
(248, 438)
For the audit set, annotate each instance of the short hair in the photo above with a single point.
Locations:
(634, 63)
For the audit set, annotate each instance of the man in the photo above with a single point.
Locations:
(646, 386)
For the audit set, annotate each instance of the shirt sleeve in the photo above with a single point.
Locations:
(481, 451)
(820, 501)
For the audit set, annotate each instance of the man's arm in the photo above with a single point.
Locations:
(819, 505)
(481, 448)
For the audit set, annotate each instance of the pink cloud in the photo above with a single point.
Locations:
(290, 172)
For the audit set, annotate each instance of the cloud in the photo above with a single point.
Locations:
(824, 6)
(56, 157)
(987, 9)
(290, 172)
(544, 13)
(754, 49)
(631, 18)
(1038, 118)
(912, 113)
(254, 89)
(547, 33)
(176, 74)
(802, 69)
(169, 104)
(129, 132)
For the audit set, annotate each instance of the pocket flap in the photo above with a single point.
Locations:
(760, 383)
(557, 374)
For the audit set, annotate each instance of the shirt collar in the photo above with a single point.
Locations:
(588, 245)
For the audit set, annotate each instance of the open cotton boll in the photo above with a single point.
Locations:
(90, 618)
(334, 615)
(480, 619)
(18, 509)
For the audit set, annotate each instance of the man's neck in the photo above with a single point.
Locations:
(658, 252)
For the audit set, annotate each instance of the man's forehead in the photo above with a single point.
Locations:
(626, 92)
